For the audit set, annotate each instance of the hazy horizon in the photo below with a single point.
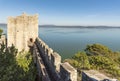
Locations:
(70, 25)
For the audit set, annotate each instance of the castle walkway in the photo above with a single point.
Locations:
(49, 66)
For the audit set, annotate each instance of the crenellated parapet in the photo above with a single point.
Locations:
(56, 61)
(24, 18)
(67, 72)
(64, 71)
(61, 71)
(93, 75)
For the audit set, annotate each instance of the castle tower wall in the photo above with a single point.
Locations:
(22, 30)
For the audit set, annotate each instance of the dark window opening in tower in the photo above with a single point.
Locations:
(31, 40)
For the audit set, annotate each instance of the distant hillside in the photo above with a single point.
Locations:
(3, 25)
(55, 26)
(78, 26)
(47, 25)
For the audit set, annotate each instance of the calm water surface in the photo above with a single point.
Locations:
(68, 41)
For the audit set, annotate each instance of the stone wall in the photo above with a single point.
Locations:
(42, 72)
(57, 70)
(92, 75)
(67, 72)
(22, 30)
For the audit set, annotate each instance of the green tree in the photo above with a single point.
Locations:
(1, 31)
(97, 49)
(82, 59)
(16, 66)
(101, 62)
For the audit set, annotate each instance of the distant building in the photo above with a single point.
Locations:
(22, 30)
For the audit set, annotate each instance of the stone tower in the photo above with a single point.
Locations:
(22, 30)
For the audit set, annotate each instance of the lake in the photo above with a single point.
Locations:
(68, 41)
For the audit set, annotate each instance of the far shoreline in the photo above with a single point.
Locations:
(57, 26)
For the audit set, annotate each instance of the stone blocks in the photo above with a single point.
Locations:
(92, 75)
(22, 30)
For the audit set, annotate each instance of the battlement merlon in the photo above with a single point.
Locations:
(24, 17)
(67, 71)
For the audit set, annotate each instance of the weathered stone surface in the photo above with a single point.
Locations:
(50, 51)
(42, 72)
(22, 30)
(67, 72)
(56, 61)
(92, 75)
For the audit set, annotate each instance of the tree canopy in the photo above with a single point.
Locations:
(97, 49)
(16, 66)
(1, 31)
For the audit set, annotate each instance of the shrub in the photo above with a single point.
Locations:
(16, 66)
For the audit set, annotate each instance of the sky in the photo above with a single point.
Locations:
(65, 12)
